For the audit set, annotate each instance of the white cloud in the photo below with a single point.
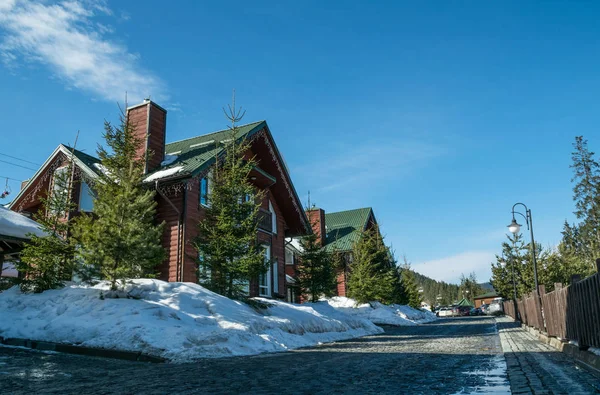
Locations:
(450, 268)
(373, 161)
(64, 37)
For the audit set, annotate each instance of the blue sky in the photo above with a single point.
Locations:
(440, 116)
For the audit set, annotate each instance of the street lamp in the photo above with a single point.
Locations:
(514, 228)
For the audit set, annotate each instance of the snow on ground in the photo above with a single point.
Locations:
(17, 225)
(382, 314)
(178, 321)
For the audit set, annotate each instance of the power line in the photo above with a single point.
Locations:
(12, 179)
(22, 160)
(14, 164)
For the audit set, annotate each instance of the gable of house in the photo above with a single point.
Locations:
(85, 167)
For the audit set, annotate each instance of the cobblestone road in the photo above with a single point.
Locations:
(536, 368)
(449, 356)
(453, 355)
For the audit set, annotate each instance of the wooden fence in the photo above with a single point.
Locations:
(569, 313)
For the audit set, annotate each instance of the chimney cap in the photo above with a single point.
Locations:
(145, 103)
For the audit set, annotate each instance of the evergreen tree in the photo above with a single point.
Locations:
(120, 239)
(229, 254)
(411, 289)
(586, 194)
(371, 276)
(316, 272)
(47, 261)
(469, 287)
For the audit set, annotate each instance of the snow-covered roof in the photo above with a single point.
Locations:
(16, 225)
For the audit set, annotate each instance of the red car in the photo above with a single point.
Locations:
(464, 310)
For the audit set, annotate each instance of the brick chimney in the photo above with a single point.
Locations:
(316, 217)
(149, 122)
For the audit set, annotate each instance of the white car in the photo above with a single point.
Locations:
(445, 312)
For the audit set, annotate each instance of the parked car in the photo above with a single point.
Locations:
(484, 308)
(475, 311)
(496, 307)
(464, 310)
(445, 312)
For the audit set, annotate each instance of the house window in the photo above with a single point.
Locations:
(58, 173)
(276, 276)
(273, 218)
(289, 257)
(86, 198)
(204, 191)
(264, 280)
(59, 181)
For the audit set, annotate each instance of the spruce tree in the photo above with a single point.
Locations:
(316, 272)
(229, 255)
(412, 296)
(586, 194)
(121, 238)
(371, 276)
(47, 261)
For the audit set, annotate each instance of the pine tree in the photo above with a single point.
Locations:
(411, 289)
(229, 255)
(47, 261)
(586, 194)
(371, 276)
(469, 288)
(316, 272)
(121, 239)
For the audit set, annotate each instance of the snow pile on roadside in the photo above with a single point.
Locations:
(178, 321)
(381, 314)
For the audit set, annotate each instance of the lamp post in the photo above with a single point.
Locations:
(514, 228)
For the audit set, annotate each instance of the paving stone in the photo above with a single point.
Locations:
(540, 369)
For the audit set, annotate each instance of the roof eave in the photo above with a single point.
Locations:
(65, 150)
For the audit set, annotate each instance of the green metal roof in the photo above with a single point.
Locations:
(88, 160)
(343, 228)
(197, 153)
(487, 295)
(464, 302)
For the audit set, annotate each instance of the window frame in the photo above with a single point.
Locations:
(265, 276)
(273, 218)
(90, 193)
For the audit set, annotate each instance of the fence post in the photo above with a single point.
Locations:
(598, 265)
(579, 312)
(541, 314)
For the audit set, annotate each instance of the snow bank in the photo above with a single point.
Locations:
(178, 321)
(382, 314)
(17, 225)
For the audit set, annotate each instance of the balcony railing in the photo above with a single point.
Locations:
(264, 221)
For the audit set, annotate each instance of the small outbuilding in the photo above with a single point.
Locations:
(485, 298)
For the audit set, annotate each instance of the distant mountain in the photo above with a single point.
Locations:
(487, 287)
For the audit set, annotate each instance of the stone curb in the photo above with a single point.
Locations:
(80, 350)
(586, 358)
